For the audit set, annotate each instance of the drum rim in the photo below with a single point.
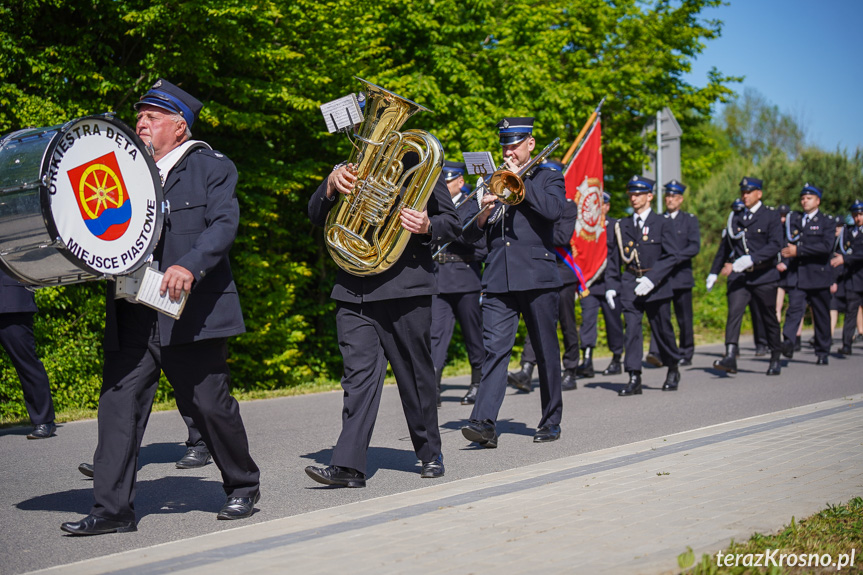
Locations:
(45, 196)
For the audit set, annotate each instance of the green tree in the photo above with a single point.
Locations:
(757, 128)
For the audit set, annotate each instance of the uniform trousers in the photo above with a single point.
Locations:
(762, 302)
(16, 337)
(370, 334)
(681, 301)
(659, 316)
(446, 309)
(199, 374)
(854, 300)
(590, 307)
(500, 313)
(568, 326)
(819, 300)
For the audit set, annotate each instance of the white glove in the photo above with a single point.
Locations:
(644, 286)
(711, 279)
(742, 263)
(609, 297)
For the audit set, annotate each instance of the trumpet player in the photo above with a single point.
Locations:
(520, 277)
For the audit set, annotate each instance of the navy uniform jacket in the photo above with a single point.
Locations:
(687, 232)
(656, 254)
(811, 266)
(197, 235)
(853, 259)
(461, 276)
(520, 244)
(764, 238)
(413, 273)
(14, 297)
(563, 230)
(602, 284)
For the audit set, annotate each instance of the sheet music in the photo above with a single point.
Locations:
(342, 113)
(479, 163)
(148, 294)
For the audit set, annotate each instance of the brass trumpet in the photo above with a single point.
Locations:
(506, 185)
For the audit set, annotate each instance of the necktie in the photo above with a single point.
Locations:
(639, 222)
(747, 215)
(805, 220)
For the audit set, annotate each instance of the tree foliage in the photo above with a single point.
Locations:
(757, 128)
(263, 67)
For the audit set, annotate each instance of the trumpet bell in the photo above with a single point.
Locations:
(507, 186)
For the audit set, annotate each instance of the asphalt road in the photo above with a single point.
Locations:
(42, 488)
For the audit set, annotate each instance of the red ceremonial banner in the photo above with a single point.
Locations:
(583, 179)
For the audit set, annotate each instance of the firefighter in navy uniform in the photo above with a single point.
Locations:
(688, 234)
(808, 251)
(646, 247)
(458, 268)
(851, 257)
(753, 244)
(563, 230)
(611, 309)
(520, 277)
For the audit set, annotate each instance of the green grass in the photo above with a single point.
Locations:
(835, 531)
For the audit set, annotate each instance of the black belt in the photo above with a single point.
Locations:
(447, 258)
(637, 271)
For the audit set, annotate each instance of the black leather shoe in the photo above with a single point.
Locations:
(633, 387)
(470, 397)
(433, 469)
(586, 368)
(194, 458)
(521, 379)
(822, 360)
(42, 431)
(569, 380)
(335, 475)
(87, 469)
(672, 379)
(653, 360)
(788, 348)
(239, 507)
(728, 363)
(482, 432)
(684, 362)
(614, 368)
(775, 367)
(92, 525)
(798, 346)
(760, 350)
(547, 433)
(844, 350)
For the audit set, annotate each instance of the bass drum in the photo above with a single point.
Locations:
(78, 202)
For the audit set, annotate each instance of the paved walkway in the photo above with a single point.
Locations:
(628, 509)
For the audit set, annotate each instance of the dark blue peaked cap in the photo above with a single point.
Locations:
(167, 96)
(639, 185)
(748, 184)
(606, 198)
(553, 165)
(810, 189)
(514, 130)
(674, 187)
(738, 205)
(857, 206)
(452, 170)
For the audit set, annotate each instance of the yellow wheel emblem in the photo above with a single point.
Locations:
(100, 189)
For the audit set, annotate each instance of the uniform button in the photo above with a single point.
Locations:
(507, 243)
(507, 229)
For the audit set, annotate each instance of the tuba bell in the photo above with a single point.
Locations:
(363, 232)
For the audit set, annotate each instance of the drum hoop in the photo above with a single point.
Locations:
(45, 196)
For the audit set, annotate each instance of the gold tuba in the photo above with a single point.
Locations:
(364, 234)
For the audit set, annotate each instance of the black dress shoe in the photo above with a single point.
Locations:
(672, 379)
(521, 380)
(470, 397)
(569, 380)
(547, 433)
(653, 360)
(822, 360)
(42, 431)
(92, 525)
(633, 387)
(614, 367)
(433, 469)
(729, 362)
(194, 458)
(239, 507)
(844, 350)
(335, 475)
(775, 367)
(760, 350)
(788, 348)
(585, 369)
(684, 362)
(87, 469)
(482, 432)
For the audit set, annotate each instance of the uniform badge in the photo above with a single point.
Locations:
(157, 84)
(645, 230)
(505, 124)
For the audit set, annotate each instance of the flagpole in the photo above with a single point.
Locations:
(581, 134)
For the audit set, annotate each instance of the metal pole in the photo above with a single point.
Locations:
(660, 204)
